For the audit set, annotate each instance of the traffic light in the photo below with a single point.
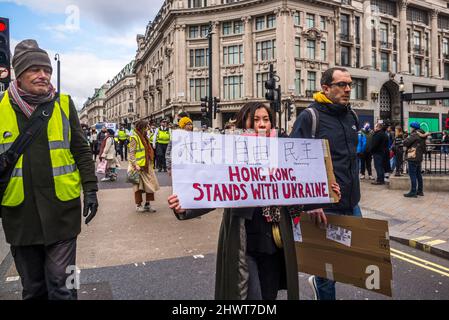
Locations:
(216, 106)
(5, 56)
(270, 85)
(204, 109)
(290, 110)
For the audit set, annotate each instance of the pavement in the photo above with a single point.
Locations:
(421, 223)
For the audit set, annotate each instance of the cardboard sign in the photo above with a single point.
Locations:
(350, 250)
(222, 171)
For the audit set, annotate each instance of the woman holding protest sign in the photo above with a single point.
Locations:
(255, 259)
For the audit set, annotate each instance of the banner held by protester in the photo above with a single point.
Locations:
(222, 171)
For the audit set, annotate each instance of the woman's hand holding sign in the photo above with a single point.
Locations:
(173, 203)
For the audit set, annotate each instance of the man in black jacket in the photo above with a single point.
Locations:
(41, 209)
(336, 122)
(379, 147)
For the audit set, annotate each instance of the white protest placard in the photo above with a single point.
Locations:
(224, 171)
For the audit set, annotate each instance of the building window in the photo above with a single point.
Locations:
(443, 22)
(298, 82)
(357, 57)
(197, 3)
(238, 27)
(199, 58)
(383, 32)
(310, 20)
(344, 22)
(271, 21)
(446, 71)
(374, 59)
(261, 78)
(323, 51)
(358, 91)
(384, 6)
(417, 15)
(311, 49)
(233, 87)
(311, 81)
(395, 38)
(322, 23)
(357, 30)
(266, 50)
(417, 41)
(345, 56)
(233, 55)
(418, 65)
(198, 31)
(426, 68)
(347, 2)
(373, 36)
(260, 23)
(297, 48)
(446, 48)
(421, 89)
(227, 28)
(297, 19)
(384, 62)
(395, 63)
(198, 88)
(426, 43)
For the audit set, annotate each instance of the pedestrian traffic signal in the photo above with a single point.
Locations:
(204, 109)
(5, 56)
(216, 106)
(270, 85)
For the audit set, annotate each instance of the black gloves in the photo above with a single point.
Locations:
(90, 204)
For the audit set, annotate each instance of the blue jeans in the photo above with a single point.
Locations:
(326, 287)
(414, 170)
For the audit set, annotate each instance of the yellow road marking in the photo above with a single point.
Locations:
(434, 242)
(419, 259)
(421, 238)
(421, 265)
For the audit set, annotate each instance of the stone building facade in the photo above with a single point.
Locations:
(120, 97)
(94, 106)
(379, 41)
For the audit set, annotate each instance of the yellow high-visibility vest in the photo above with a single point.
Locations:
(122, 135)
(163, 136)
(140, 151)
(65, 172)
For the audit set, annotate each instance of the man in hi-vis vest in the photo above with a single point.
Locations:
(41, 207)
(160, 143)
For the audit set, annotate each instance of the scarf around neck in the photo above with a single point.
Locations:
(28, 102)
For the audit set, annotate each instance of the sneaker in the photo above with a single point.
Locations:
(410, 195)
(362, 176)
(105, 179)
(371, 177)
(312, 283)
(140, 209)
(148, 208)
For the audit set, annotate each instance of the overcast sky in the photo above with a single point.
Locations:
(95, 39)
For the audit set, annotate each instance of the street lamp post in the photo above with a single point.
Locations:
(401, 92)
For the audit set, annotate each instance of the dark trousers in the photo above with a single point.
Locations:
(123, 145)
(160, 152)
(264, 275)
(365, 163)
(399, 161)
(42, 270)
(379, 165)
(414, 171)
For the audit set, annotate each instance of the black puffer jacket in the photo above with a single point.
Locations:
(338, 125)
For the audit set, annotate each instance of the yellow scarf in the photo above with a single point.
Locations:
(321, 98)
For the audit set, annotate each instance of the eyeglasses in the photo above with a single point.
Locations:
(342, 84)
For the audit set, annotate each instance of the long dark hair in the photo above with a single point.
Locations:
(141, 125)
(248, 111)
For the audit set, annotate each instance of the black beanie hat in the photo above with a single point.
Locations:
(28, 54)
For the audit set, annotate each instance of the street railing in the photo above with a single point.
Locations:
(435, 160)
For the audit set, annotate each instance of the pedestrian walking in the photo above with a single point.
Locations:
(160, 142)
(41, 207)
(415, 148)
(379, 149)
(331, 117)
(109, 154)
(94, 144)
(141, 157)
